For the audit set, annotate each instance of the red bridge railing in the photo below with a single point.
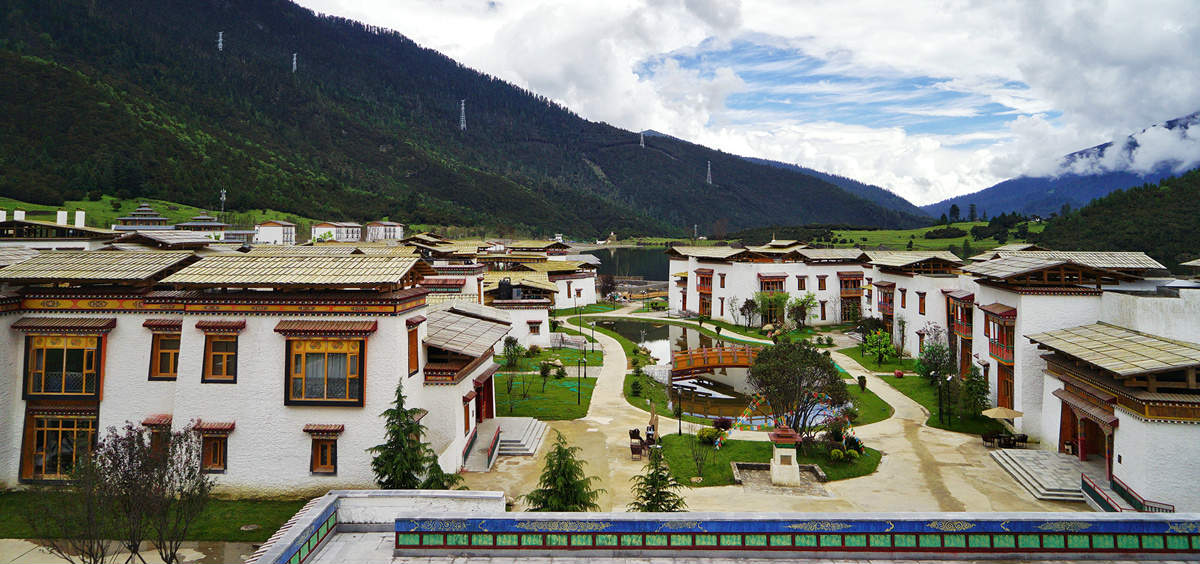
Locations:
(700, 360)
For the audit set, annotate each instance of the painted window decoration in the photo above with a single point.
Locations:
(164, 356)
(414, 351)
(213, 453)
(535, 328)
(325, 370)
(324, 456)
(801, 282)
(578, 292)
(775, 285)
(220, 358)
(63, 365)
(60, 442)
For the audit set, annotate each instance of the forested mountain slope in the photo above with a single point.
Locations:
(134, 99)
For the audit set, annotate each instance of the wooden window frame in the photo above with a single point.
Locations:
(820, 283)
(921, 303)
(214, 454)
(770, 285)
(323, 447)
(206, 376)
(414, 350)
(578, 292)
(156, 351)
(903, 298)
(722, 275)
(801, 283)
(822, 310)
(31, 369)
(355, 370)
(467, 419)
(29, 448)
(534, 328)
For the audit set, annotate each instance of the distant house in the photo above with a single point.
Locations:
(381, 230)
(343, 231)
(548, 247)
(51, 236)
(144, 218)
(207, 224)
(275, 232)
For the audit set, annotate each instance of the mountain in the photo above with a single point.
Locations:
(1163, 220)
(870, 192)
(134, 99)
(1149, 156)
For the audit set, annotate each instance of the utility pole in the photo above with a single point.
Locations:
(462, 115)
(642, 140)
(709, 179)
(222, 201)
(220, 41)
(293, 63)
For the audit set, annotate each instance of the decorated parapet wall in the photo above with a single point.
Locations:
(982, 534)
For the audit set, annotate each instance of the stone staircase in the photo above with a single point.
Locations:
(1046, 475)
(521, 436)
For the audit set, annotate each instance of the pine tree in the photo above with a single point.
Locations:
(402, 460)
(563, 486)
(975, 393)
(655, 491)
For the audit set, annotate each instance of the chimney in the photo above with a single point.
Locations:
(61, 217)
(18, 215)
(79, 218)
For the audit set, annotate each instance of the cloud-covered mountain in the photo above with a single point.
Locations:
(1157, 152)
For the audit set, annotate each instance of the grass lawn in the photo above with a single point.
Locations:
(569, 331)
(898, 238)
(600, 307)
(657, 393)
(871, 408)
(221, 520)
(569, 357)
(756, 332)
(889, 366)
(717, 471)
(101, 213)
(556, 403)
(631, 349)
(925, 394)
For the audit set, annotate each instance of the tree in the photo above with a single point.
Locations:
(513, 352)
(954, 211)
(124, 459)
(74, 519)
(967, 251)
(606, 285)
(181, 491)
(975, 393)
(563, 485)
(936, 359)
(699, 452)
(878, 345)
(655, 490)
(749, 310)
(795, 380)
(771, 305)
(902, 329)
(544, 370)
(971, 213)
(944, 220)
(735, 310)
(400, 462)
(798, 308)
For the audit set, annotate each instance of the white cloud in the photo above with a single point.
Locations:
(1074, 73)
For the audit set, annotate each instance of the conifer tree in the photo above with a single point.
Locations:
(563, 486)
(655, 490)
(401, 461)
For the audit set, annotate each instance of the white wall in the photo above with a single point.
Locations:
(274, 235)
(565, 297)
(1174, 318)
(520, 327)
(12, 407)
(935, 303)
(1158, 460)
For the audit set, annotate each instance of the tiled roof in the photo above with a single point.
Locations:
(554, 266)
(1007, 267)
(310, 327)
(259, 250)
(1195, 263)
(1120, 350)
(215, 426)
(157, 420)
(531, 244)
(13, 255)
(324, 428)
(65, 324)
(170, 238)
(282, 222)
(706, 252)
(92, 266)
(1000, 310)
(1020, 247)
(899, 259)
(221, 325)
(164, 324)
(961, 295)
(1086, 406)
(831, 254)
(1112, 260)
(462, 330)
(283, 270)
(491, 280)
(392, 251)
(443, 281)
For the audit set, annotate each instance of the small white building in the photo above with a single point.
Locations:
(384, 230)
(34, 234)
(340, 231)
(275, 232)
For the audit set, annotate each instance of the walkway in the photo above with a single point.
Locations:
(923, 469)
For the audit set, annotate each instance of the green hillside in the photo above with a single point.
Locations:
(105, 211)
(132, 99)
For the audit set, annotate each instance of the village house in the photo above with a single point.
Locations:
(275, 232)
(342, 231)
(20, 231)
(144, 218)
(282, 362)
(384, 230)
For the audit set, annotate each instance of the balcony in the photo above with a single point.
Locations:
(852, 292)
(885, 308)
(704, 289)
(446, 372)
(963, 328)
(1000, 351)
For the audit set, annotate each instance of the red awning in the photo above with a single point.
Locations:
(470, 396)
(961, 295)
(324, 428)
(1086, 409)
(215, 427)
(772, 275)
(317, 328)
(414, 321)
(534, 321)
(221, 326)
(885, 284)
(169, 325)
(850, 275)
(704, 271)
(1000, 310)
(65, 324)
(157, 420)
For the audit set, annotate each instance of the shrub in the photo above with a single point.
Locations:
(635, 388)
(709, 435)
(836, 455)
(560, 373)
(854, 444)
(723, 423)
(852, 455)
(533, 351)
(850, 413)
(945, 233)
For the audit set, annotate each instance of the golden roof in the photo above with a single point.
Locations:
(1120, 350)
(905, 258)
(491, 280)
(713, 252)
(555, 266)
(93, 266)
(1111, 260)
(533, 244)
(266, 271)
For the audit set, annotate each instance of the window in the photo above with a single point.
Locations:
(164, 356)
(220, 358)
(722, 314)
(535, 328)
(61, 365)
(213, 454)
(578, 292)
(920, 341)
(903, 298)
(822, 311)
(158, 439)
(325, 370)
(820, 282)
(722, 275)
(58, 443)
(413, 351)
(324, 456)
(771, 285)
(467, 418)
(921, 303)
(800, 282)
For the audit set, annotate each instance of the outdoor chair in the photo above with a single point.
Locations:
(1020, 440)
(989, 439)
(1005, 441)
(635, 449)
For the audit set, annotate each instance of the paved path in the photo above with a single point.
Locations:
(923, 469)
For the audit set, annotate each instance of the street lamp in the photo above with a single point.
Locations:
(941, 391)
(579, 379)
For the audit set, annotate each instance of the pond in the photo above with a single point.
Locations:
(722, 393)
(648, 262)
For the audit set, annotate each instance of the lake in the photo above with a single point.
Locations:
(648, 262)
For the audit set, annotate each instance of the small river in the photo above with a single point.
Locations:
(650, 263)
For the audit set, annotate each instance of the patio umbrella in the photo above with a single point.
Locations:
(1002, 413)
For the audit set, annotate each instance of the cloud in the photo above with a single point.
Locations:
(929, 100)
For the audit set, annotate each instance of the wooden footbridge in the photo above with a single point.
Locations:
(698, 361)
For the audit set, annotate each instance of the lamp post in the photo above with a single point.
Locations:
(579, 380)
(938, 379)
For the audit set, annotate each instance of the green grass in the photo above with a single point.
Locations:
(646, 307)
(631, 348)
(889, 366)
(657, 393)
(600, 307)
(717, 471)
(221, 521)
(898, 239)
(569, 331)
(756, 332)
(101, 213)
(569, 357)
(557, 402)
(871, 408)
(922, 392)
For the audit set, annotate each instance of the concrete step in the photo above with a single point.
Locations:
(1031, 482)
(524, 441)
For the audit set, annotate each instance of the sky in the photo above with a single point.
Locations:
(928, 99)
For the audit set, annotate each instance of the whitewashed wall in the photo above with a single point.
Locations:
(12, 407)
(565, 297)
(1158, 460)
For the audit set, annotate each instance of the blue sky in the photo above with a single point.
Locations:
(929, 100)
